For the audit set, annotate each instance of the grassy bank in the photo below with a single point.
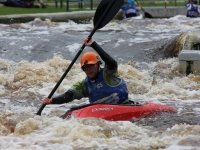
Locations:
(15, 10)
(75, 7)
(50, 9)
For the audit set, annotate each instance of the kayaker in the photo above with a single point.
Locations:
(101, 85)
(130, 10)
(192, 10)
(130, 2)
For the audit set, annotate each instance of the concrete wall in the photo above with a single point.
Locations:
(162, 12)
(55, 17)
(156, 12)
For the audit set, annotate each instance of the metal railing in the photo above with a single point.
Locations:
(74, 5)
(78, 4)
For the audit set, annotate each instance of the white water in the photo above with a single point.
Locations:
(31, 64)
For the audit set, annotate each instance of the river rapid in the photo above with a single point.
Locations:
(34, 56)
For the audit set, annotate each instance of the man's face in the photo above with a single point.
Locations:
(91, 70)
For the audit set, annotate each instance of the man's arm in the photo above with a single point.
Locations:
(77, 91)
(109, 61)
(63, 98)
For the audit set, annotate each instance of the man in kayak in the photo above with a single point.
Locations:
(101, 85)
(192, 9)
(130, 10)
(130, 2)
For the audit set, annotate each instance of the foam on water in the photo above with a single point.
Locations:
(95, 133)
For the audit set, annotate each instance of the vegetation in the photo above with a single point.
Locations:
(75, 6)
(16, 10)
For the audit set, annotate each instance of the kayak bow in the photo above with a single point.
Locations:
(117, 112)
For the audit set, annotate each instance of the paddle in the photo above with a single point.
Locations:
(147, 15)
(106, 10)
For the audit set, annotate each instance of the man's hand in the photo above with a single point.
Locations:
(88, 43)
(47, 101)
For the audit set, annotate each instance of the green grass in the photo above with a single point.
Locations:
(15, 10)
(50, 9)
(75, 7)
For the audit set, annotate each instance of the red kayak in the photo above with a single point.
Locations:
(116, 112)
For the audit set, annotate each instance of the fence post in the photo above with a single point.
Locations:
(91, 4)
(80, 4)
(61, 3)
(67, 5)
(56, 3)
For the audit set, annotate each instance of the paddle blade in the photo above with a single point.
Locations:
(147, 15)
(102, 17)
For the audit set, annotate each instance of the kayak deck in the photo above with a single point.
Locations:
(117, 112)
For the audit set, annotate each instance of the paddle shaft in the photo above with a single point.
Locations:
(64, 75)
(61, 79)
(141, 6)
(147, 15)
(98, 24)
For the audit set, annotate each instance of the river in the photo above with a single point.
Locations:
(34, 55)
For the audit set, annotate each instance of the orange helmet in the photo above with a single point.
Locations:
(89, 58)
